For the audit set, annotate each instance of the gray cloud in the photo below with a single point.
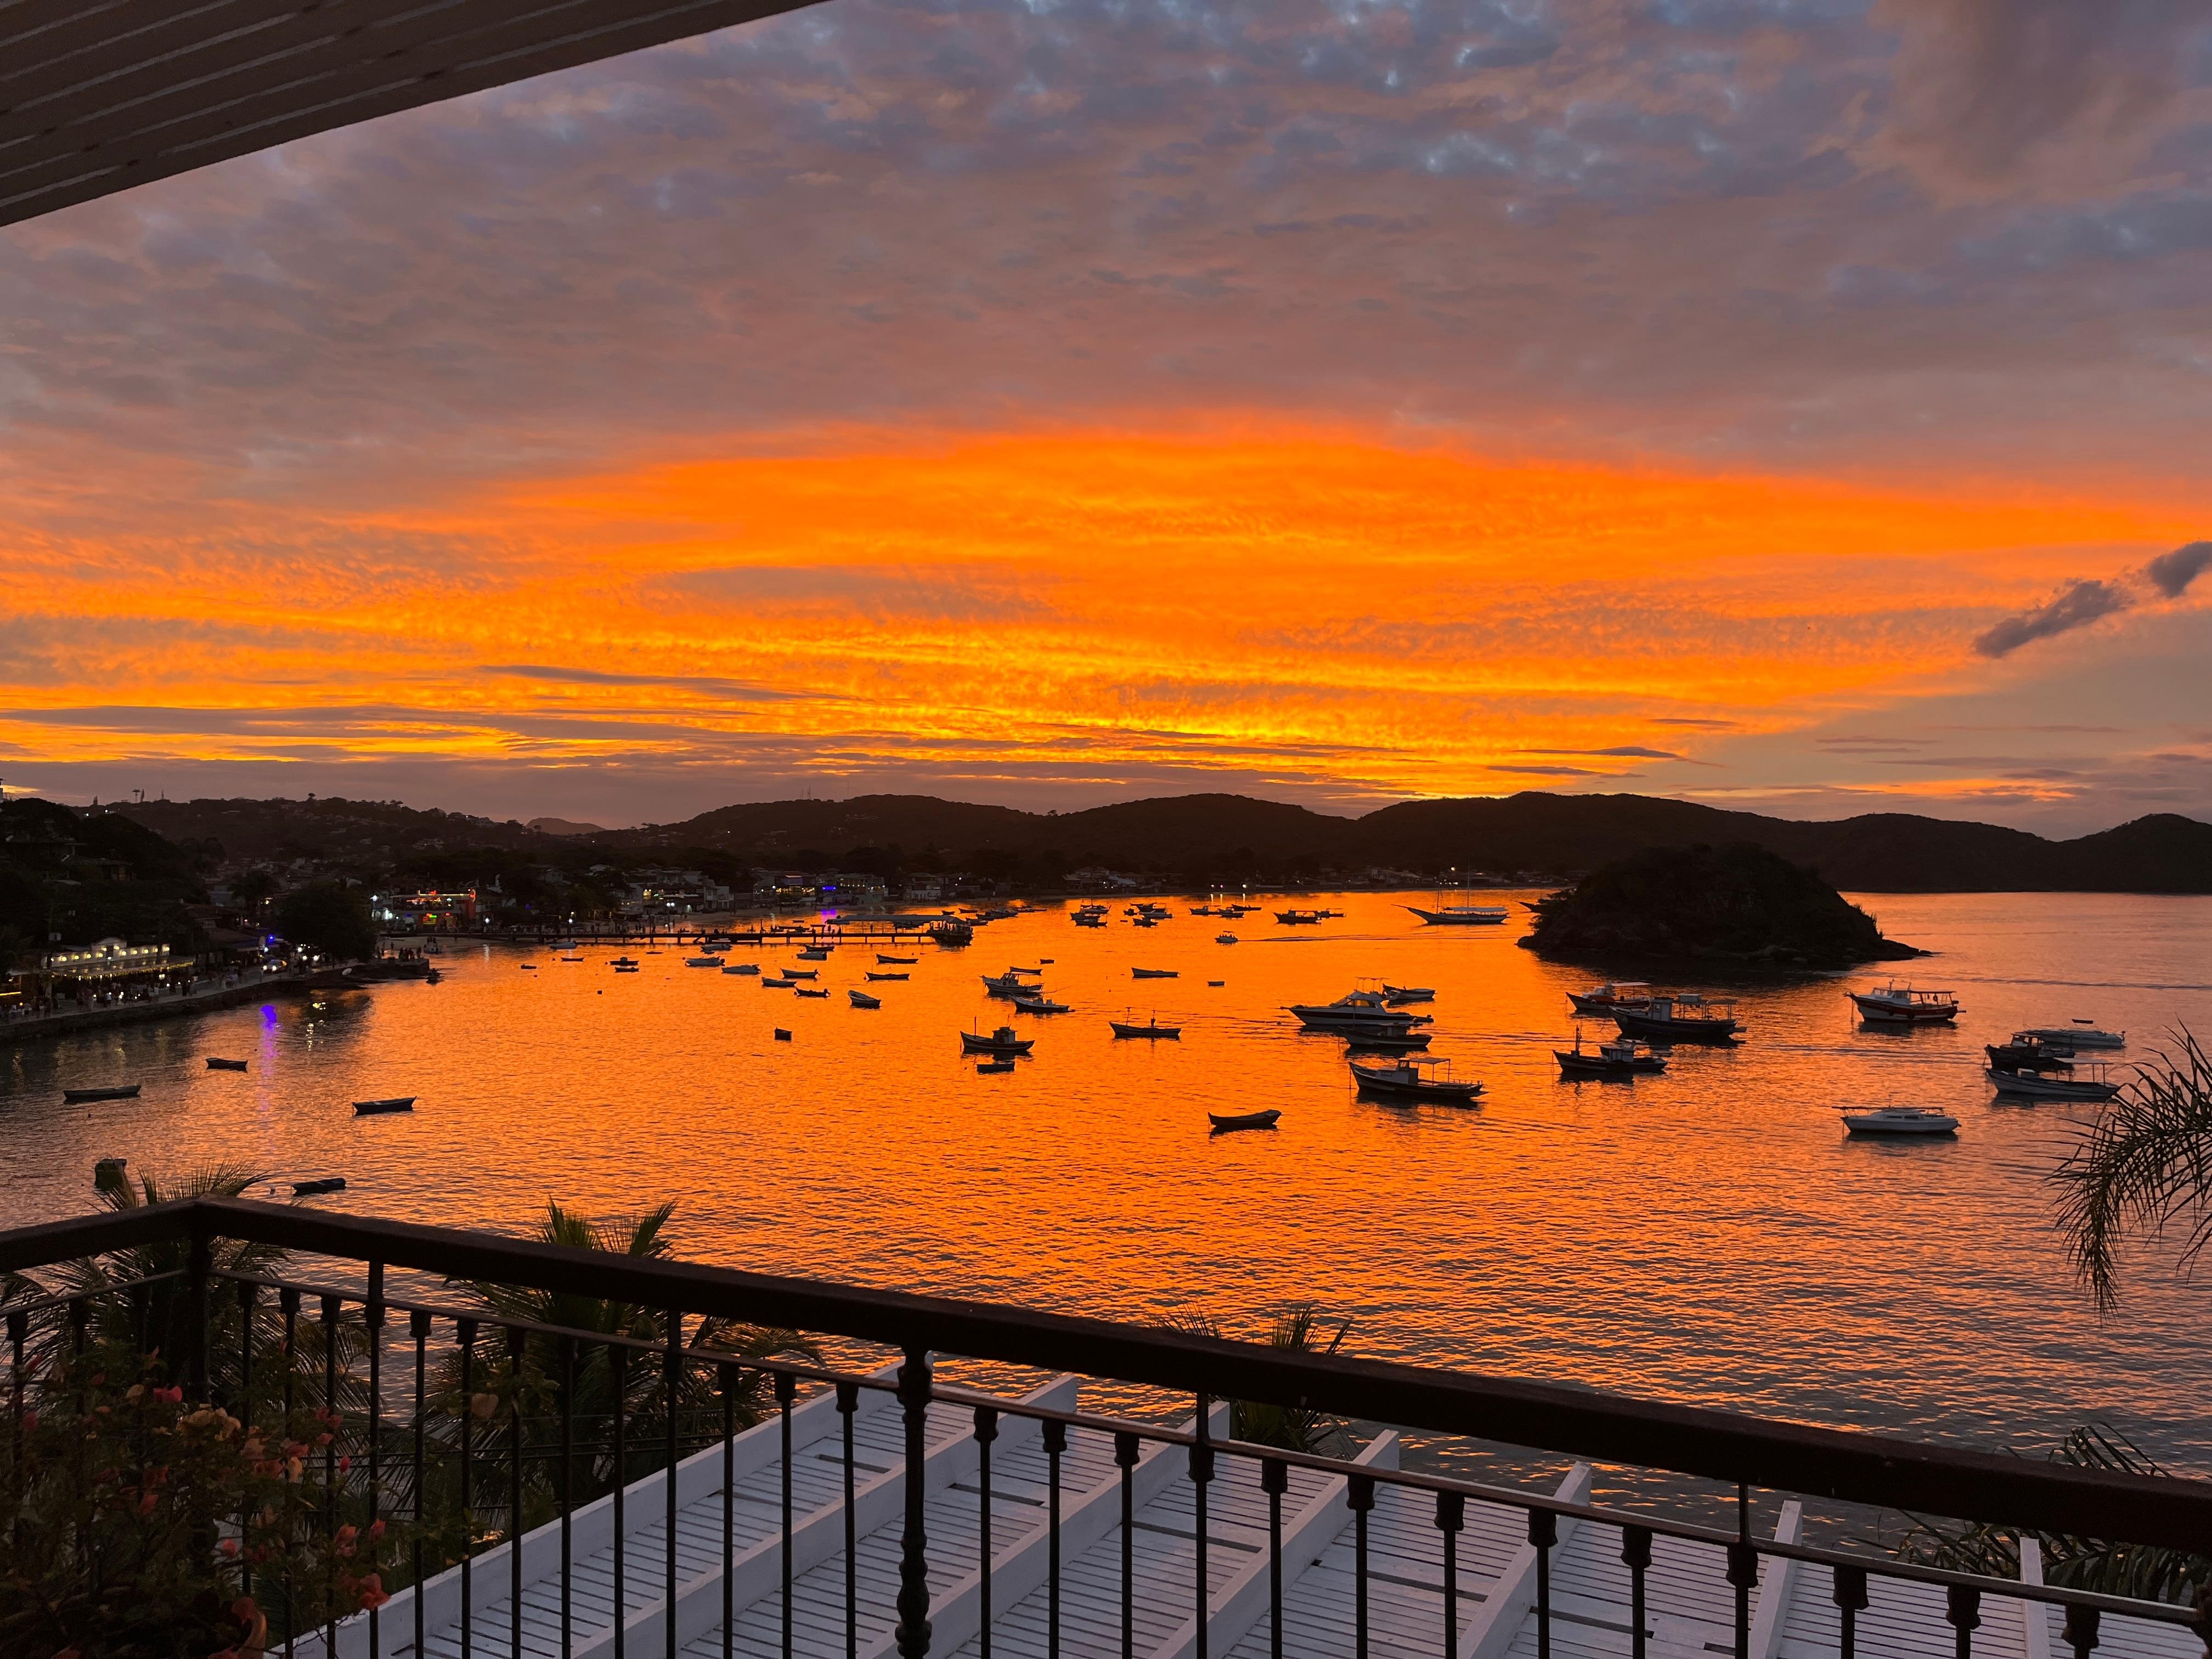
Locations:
(735, 690)
(2172, 573)
(1626, 749)
(2078, 606)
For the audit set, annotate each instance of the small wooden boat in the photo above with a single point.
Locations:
(703, 962)
(434, 972)
(1298, 918)
(120, 1091)
(380, 1108)
(1006, 985)
(1408, 994)
(862, 1000)
(321, 1184)
(803, 991)
(2080, 1035)
(990, 1066)
(897, 962)
(782, 1035)
(1622, 1057)
(1216, 984)
(1039, 1004)
(623, 962)
(529, 967)
(630, 969)
(1614, 994)
(1225, 939)
(1462, 915)
(1124, 1029)
(1266, 1120)
(815, 953)
(1379, 1039)
(1405, 1081)
(2039, 1085)
(1685, 1018)
(743, 968)
(875, 975)
(768, 984)
(215, 1065)
(1901, 1005)
(802, 973)
(1155, 973)
(1004, 1043)
(1900, 1120)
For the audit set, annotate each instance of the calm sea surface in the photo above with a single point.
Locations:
(1709, 1236)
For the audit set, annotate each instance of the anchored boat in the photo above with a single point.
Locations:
(1039, 1004)
(215, 1065)
(2095, 1089)
(1622, 1057)
(380, 1107)
(1126, 1029)
(1155, 973)
(1612, 994)
(897, 962)
(119, 1091)
(1901, 1005)
(2081, 1033)
(862, 1000)
(1900, 1120)
(1224, 1120)
(1462, 915)
(1407, 1081)
(1684, 1018)
(1004, 1042)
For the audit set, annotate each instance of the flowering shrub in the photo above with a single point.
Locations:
(143, 1525)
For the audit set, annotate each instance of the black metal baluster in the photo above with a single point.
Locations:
(729, 1377)
(1201, 1474)
(1451, 1518)
(1055, 1444)
(418, 1326)
(287, 1300)
(987, 1430)
(787, 1389)
(618, 1360)
(1962, 1608)
(674, 1362)
(199, 1263)
(466, 1330)
(19, 1329)
(1635, 1551)
(332, 1310)
(913, 1393)
(1543, 1533)
(568, 1486)
(1125, 1456)
(1360, 1498)
(1849, 1595)
(371, 1319)
(2081, 1628)
(247, 1294)
(1743, 1571)
(514, 1346)
(848, 1402)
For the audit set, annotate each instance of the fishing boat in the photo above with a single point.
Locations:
(1225, 939)
(1217, 983)
(434, 972)
(215, 1065)
(803, 991)
(747, 968)
(951, 932)
(1407, 1081)
(777, 984)
(380, 1108)
(782, 1035)
(1614, 994)
(1155, 973)
(1154, 1029)
(1003, 1042)
(1622, 1057)
(2081, 1033)
(1408, 994)
(1462, 915)
(318, 1186)
(1380, 1039)
(623, 962)
(2028, 1052)
(1684, 1018)
(1901, 1005)
(1360, 1007)
(897, 962)
(703, 962)
(862, 1000)
(1224, 1120)
(991, 1067)
(630, 968)
(1900, 1120)
(802, 973)
(529, 967)
(879, 976)
(1006, 985)
(814, 953)
(118, 1091)
(1088, 915)
(1298, 918)
(2095, 1089)
(1040, 1005)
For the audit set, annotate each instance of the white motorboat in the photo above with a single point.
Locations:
(1900, 1120)
(2081, 1033)
(1901, 1005)
(2095, 1088)
(1409, 993)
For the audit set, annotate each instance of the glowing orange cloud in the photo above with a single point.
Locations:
(1291, 605)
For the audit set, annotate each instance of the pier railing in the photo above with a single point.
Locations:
(453, 1423)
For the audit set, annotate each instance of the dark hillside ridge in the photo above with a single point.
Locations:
(1195, 838)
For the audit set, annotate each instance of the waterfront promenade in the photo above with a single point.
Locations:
(200, 995)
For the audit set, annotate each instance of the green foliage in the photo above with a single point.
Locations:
(138, 1518)
(1295, 1329)
(2145, 1164)
(1739, 903)
(330, 917)
(2132, 1569)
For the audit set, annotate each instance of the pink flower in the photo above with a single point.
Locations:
(146, 1503)
(372, 1592)
(230, 1547)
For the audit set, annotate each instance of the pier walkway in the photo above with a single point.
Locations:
(731, 1554)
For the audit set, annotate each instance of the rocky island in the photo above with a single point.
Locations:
(1738, 904)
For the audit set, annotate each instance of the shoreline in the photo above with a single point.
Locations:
(17, 1032)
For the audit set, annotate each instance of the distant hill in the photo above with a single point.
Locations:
(1229, 838)
(564, 827)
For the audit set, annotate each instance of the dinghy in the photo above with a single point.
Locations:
(119, 1091)
(1124, 1029)
(215, 1065)
(1900, 1120)
(1222, 1120)
(862, 1000)
(991, 1066)
(321, 1184)
(380, 1107)
(1155, 973)
(890, 975)
(897, 962)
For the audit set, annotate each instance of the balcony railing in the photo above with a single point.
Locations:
(577, 1490)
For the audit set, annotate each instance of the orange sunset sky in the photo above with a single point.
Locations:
(1798, 407)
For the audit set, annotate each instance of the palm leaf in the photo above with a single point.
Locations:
(2145, 1166)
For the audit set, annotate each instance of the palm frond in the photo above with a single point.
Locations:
(2145, 1166)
